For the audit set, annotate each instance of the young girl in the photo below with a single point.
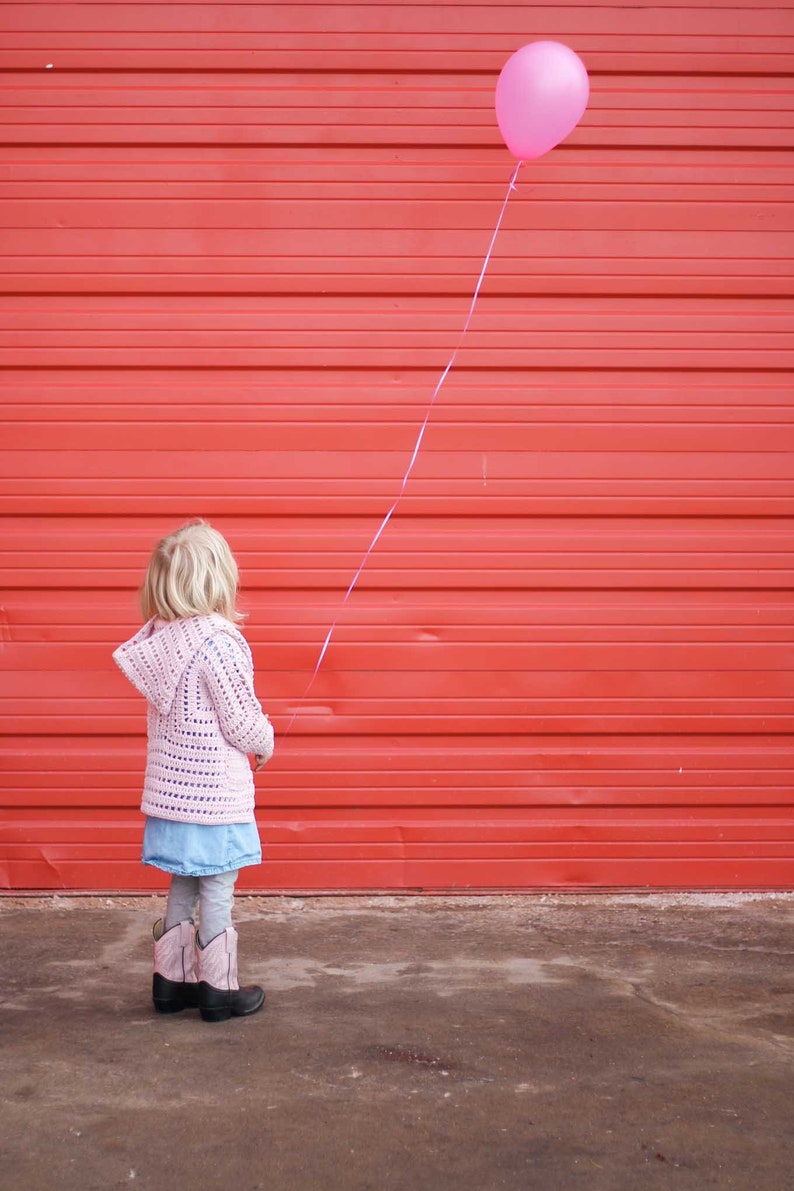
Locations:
(195, 669)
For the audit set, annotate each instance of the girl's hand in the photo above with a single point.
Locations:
(260, 761)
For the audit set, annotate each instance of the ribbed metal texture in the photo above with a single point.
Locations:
(238, 245)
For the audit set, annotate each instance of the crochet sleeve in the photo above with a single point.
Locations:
(229, 679)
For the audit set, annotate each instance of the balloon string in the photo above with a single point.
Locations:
(511, 187)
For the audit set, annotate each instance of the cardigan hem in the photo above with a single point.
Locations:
(154, 812)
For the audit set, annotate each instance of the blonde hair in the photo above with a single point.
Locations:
(192, 572)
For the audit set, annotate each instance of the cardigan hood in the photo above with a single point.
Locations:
(155, 659)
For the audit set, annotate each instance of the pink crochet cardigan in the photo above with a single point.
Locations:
(198, 677)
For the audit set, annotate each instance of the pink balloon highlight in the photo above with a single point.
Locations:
(541, 95)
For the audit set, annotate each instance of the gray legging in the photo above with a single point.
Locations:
(215, 896)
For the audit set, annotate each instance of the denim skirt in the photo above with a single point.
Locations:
(199, 850)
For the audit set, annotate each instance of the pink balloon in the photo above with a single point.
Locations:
(540, 97)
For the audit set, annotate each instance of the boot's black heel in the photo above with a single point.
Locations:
(172, 996)
(217, 1004)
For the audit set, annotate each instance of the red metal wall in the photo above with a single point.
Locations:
(238, 243)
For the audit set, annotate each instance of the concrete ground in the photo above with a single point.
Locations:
(595, 1041)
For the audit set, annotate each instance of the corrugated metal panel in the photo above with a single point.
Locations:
(238, 243)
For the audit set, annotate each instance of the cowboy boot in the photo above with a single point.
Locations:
(220, 995)
(174, 984)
